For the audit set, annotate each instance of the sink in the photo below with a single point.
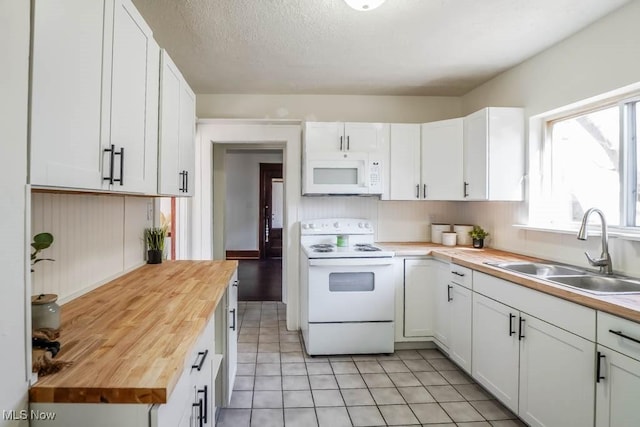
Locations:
(540, 269)
(599, 284)
(574, 277)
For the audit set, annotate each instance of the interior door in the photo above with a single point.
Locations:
(271, 210)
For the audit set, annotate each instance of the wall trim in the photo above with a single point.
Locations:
(251, 254)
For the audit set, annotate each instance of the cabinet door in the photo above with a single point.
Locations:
(404, 181)
(66, 93)
(442, 324)
(460, 342)
(362, 137)
(187, 138)
(475, 155)
(134, 100)
(496, 349)
(557, 376)
(620, 381)
(420, 278)
(442, 161)
(232, 335)
(169, 177)
(323, 137)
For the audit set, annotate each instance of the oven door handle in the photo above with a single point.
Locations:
(350, 262)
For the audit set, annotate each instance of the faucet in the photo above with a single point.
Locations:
(604, 262)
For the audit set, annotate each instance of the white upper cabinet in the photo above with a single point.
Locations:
(404, 166)
(426, 161)
(66, 92)
(94, 103)
(493, 153)
(335, 137)
(177, 132)
(442, 160)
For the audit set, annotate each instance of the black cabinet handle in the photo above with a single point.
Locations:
(466, 185)
(186, 181)
(417, 191)
(620, 334)
(235, 283)
(121, 154)
(205, 391)
(181, 189)
(340, 143)
(449, 298)
(197, 365)
(511, 330)
(347, 142)
(457, 273)
(200, 415)
(599, 375)
(111, 150)
(521, 330)
(424, 191)
(233, 325)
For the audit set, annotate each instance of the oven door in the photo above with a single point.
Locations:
(336, 175)
(351, 290)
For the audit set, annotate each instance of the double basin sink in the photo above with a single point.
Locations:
(574, 277)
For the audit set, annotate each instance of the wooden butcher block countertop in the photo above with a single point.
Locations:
(129, 339)
(627, 306)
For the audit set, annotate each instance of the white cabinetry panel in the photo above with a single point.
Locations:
(404, 165)
(419, 297)
(442, 160)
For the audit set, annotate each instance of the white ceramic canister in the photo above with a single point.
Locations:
(45, 313)
(463, 234)
(436, 231)
(449, 238)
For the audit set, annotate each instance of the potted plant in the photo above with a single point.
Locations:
(478, 234)
(155, 244)
(41, 241)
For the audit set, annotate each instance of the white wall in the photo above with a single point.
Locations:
(14, 74)
(601, 58)
(97, 238)
(402, 109)
(243, 196)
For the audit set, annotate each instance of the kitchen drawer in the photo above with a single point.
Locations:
(623, 344)
(202, 352)
(564, 314)
(461, 275)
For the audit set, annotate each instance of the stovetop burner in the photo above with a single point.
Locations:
(322, 246)
(367, 248)
(323, 250)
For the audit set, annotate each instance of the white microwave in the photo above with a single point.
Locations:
(340, 173)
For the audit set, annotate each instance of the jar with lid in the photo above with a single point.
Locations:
(45, 313)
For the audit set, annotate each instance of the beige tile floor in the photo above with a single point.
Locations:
(279, 385)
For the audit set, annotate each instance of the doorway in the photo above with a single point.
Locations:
(271, 204)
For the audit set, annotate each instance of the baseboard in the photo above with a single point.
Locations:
(414, 345)
(242, 255)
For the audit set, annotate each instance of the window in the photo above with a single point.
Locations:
(590, 159)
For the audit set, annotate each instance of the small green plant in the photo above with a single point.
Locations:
(155, 238)
(478, 233)
(41, 241)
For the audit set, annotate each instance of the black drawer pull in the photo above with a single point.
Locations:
(620, 334)
(449, 297)
(599, 376)
(197, 365)
(199, 416)
(233, 325)
(205, 391)
(521, 330)
(457, 274)
(511, 330)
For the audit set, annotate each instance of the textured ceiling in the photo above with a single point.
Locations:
(405, 47)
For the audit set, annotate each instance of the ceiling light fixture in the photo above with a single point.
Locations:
(364, 5)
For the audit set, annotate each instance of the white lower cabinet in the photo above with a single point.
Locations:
(542, 372)
(557, 376)
(420, 282)
(460, 322)
(227, 345)
(442, 309)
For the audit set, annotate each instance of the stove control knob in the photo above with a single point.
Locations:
(361, 225)
(367, 225)
(312, 226)
(336, 224)
(305, 226)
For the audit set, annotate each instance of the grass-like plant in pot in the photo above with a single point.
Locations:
(478, 234)
(154, 238)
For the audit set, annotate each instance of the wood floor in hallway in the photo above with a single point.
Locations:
(260, 280)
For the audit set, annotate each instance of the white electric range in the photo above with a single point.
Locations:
(346, 288)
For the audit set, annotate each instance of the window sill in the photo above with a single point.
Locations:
(614, 232)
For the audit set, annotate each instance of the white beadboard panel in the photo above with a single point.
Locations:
(90, 246)
(138, 215)
(411, 221)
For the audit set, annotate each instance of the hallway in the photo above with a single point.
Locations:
(260, 280)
